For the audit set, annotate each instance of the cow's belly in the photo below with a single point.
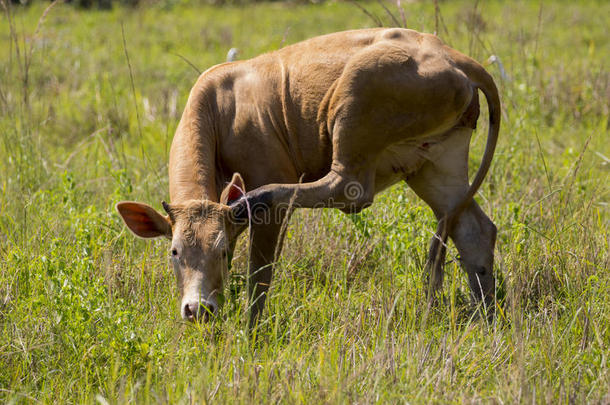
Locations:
(400, 160)
(396, 162)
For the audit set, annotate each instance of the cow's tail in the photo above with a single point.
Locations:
(483, 81)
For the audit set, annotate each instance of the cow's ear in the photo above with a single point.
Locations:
(143, 220)
(234, 191)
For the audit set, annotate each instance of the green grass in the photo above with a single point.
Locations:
(88, 312)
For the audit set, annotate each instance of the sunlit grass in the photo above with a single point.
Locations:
(87, 311)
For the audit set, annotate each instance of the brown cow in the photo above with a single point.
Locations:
(328, 122)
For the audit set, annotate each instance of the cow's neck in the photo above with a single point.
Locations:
(192, 161)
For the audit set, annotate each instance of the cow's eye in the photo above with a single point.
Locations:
(174, 252)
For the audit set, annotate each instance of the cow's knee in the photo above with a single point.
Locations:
(351, 194)
(356, 197)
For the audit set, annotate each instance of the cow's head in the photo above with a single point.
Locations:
(203, 235)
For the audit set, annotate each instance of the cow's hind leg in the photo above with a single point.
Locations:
(442, 182)
(345, 189)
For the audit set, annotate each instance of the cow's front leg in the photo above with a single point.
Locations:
(265, 245)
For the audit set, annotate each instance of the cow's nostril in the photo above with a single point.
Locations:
(195, 311)
(188, 313)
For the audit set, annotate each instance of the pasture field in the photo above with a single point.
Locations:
(89, 313)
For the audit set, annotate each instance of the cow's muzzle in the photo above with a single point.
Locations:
(198, 311)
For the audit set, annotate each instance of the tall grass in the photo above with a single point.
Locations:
(88, 313)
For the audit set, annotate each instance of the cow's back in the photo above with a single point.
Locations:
(272, 107)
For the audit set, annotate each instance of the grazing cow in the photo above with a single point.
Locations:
(328, 122)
